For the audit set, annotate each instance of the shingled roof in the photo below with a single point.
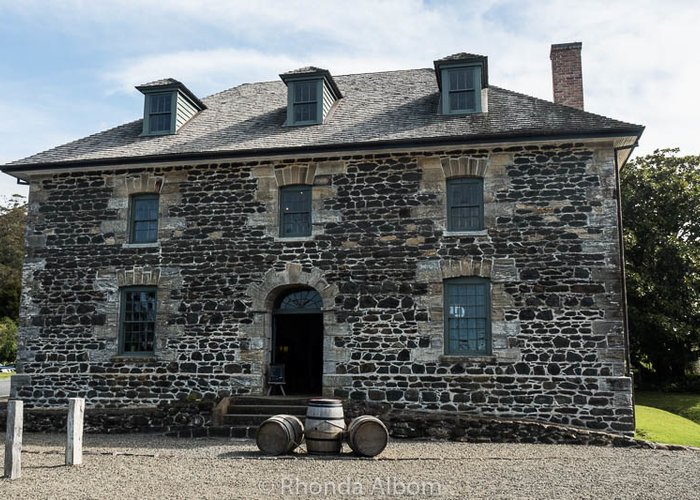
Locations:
(377, 109)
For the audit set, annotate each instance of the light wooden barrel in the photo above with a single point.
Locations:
(367, 436)
(280, 434)
(325, 426)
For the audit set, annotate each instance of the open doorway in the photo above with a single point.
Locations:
(297, 339)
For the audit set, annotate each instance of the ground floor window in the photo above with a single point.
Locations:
(467, 316)
(138, 320)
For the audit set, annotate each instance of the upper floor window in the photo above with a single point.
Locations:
(465, 204)
(467, 316)
(138, 320)
(159, 113)
(461, 91)
(295, 210)
(144, 218)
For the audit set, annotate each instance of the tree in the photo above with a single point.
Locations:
(13, 215)
(661, 213)
(8, 340)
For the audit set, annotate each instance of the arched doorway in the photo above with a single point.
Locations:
(297, 339)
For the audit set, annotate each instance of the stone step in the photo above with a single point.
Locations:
(267, 409)
(269, 401)
(249, 419)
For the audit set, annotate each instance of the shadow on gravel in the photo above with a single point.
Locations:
(254, 454)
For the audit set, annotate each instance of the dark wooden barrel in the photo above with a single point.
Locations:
(280, 434)
(325, 426)
(367, 436)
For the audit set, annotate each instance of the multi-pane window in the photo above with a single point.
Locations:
(305, 102)
(160, 113)
(465, 204)
(467, 316)
(138, 320)
(144, 218)
(461, 90)
(295, 211)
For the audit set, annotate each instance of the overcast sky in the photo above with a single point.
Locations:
(68, 67)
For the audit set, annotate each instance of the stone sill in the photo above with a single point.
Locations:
(456, 234)
(146, 358)
(451, 358)
(294, 239)
(155, 244)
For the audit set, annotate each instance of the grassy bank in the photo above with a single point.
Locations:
(668, 417)
(683, 404)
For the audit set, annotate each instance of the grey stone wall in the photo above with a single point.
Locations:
(378, 254)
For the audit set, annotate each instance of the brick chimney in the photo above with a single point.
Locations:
(567, 77)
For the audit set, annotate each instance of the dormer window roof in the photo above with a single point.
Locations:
(311, 93)
(462, 79)
(168, 105)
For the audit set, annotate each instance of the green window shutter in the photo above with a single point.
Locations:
(465, 204)
(467, 306)
(461, 90)
(295, 211)
(138, 320)
(144, 218)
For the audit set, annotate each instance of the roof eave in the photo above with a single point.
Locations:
(631, 133)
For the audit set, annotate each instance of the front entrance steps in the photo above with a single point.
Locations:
(240, 416)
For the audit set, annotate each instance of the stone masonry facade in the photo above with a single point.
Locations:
(378, 256)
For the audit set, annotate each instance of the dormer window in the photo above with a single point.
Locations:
(462, 92)
(168, 106)
(159, 117)
(304, 101)
(311, 93)
(462, 80)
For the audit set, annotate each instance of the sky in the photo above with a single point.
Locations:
(68, 67)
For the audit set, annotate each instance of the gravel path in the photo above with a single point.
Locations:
(148, 466)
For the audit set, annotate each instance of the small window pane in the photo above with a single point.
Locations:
(305, 112)
(138, 320)
(160, 122)
(144, 219)
(161, 103)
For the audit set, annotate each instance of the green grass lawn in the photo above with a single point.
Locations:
(5, 375)
(672, 418)
(684, 404)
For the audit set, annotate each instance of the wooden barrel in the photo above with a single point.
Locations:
(325, 426)
(367, 436)
(280, 434)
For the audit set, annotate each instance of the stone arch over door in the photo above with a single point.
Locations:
(263, 296)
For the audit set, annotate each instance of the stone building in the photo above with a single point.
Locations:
(418, 238)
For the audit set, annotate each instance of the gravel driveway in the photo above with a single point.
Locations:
(149, 466)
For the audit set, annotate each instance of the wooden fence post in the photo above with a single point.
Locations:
(74, 440)
(13, 439)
